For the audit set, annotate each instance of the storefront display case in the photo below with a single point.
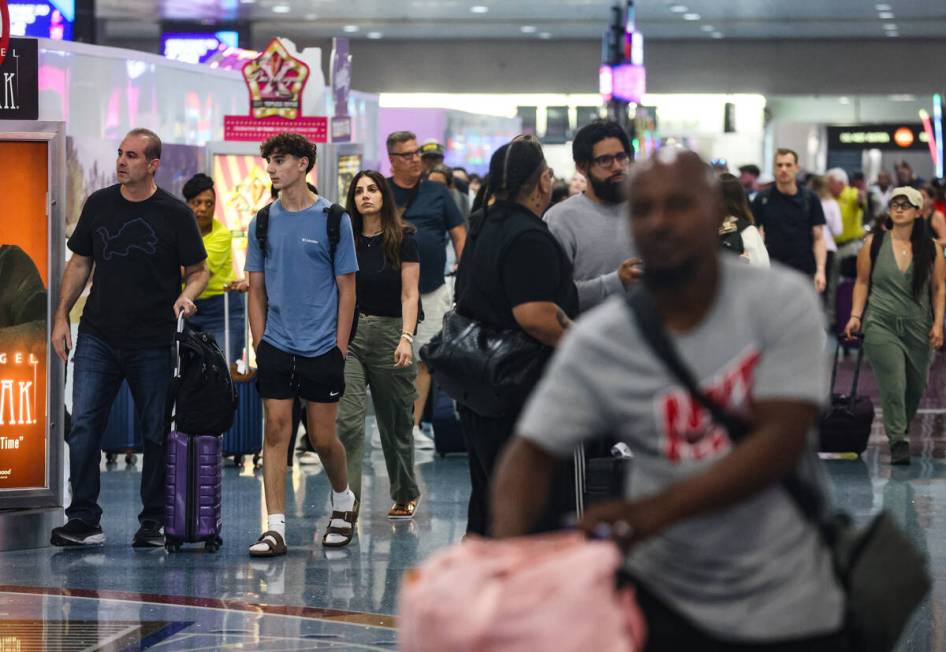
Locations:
(32, 241)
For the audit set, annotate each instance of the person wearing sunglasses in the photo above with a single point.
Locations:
(430, 208)
(591, 225)
(900, 281)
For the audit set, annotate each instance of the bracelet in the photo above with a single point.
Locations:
(408, 337)
(857, 317)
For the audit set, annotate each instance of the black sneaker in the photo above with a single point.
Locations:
(900, 453)
(149, 535)
(77, 533)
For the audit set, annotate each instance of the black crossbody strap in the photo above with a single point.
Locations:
(652, 329)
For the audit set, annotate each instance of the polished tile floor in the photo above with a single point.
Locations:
(117, 598)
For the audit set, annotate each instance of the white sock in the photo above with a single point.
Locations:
(276, 523)
(342, 501)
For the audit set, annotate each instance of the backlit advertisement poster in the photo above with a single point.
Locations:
(348, 166)
(242, 188)
(23, 316)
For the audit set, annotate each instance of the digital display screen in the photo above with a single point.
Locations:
(197, 47)
(24, 259)
(52, 19)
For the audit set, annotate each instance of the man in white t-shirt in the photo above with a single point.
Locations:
(721, 555)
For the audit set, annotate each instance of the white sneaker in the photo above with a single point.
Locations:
(375, 434)
(309, 458)
(421, 441)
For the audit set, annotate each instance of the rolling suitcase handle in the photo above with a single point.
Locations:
(226, 327)
(857, 370)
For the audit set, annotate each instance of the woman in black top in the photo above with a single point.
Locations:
(513, 275)
(381, 356)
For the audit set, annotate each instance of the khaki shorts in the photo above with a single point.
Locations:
(436, 304)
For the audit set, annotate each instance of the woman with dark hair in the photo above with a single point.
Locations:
(381, 356)
(514, 276)
(902, 272)
(201, 197)
(933, 216)
(738, 219)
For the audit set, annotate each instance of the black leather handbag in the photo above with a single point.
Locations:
(883, 575)
(489, 371)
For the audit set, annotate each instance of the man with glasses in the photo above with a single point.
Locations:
(591, 225)
(430, 208)
(792, 221)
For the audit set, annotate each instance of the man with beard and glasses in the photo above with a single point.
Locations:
(591, 225)
(709, 532)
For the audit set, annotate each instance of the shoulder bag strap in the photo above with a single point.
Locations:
(262, 227)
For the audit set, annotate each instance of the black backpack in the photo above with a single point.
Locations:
(333, 226)
(202, 396)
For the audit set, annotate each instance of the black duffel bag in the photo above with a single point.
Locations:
(487, 370)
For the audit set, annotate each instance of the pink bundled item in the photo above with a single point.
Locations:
(550, 592)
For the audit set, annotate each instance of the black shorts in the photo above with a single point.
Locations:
(282, 375)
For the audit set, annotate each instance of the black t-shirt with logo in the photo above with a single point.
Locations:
(378, 284)
(788, 221)
(138, 249)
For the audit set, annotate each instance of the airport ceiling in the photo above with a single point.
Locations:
(547, 19)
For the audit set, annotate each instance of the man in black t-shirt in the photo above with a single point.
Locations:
(791, 221)
(430, 208)
(133, 239)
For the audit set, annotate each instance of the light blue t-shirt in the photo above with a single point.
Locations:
(302, 296)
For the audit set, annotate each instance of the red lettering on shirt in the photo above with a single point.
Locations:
(688, 430)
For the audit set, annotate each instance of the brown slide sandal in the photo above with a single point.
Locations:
(347, 532)
(275, 543)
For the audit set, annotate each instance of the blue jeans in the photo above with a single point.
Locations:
(99, 371)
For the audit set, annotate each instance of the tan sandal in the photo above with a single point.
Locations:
(274, 542)
(347, 532)
(403, 511)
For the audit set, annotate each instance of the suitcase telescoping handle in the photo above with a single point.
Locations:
(177, 345)
(226, 327)
(852, 398)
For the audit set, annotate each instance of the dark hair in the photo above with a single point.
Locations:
(750, 169)
(289, 144)
(460, 168)
(784, 151)
(153, 148)
(445, 171)
(933, 192)
(559, 192)
(515, 167)
(481, 198)
(398, 137)
(734, 198)
(392, 227)
(274, 192)
(197, 184)
(592, 134)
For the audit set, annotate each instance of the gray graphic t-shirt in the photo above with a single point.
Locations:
(756, 571)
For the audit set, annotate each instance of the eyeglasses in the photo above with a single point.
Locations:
(607, 160)
(901, 205)
(406, 155)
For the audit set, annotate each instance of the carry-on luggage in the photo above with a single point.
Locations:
(448, 435)
(845, 426)
(245, 437)
(122, 435)
(193, 481)
(601, 470)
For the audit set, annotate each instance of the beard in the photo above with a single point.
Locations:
(608, 191)
(662, 279)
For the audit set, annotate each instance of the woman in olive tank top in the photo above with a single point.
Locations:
(900, 283)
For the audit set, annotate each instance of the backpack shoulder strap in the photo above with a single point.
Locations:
(875, 244)
(262, 227)
(334, 227)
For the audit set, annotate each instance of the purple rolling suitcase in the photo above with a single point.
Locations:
(192, 503)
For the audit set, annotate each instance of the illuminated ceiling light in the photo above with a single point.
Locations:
(707, 28)
(281, 9)
(884, 7)
(679, 9)
(885, 15)
(479, 9)
(528, 29)
(893, 34)
(350, 29)
(545, 35)
(247, 2)
(902, 97)
(890, 27)
(311, 16)
(375, 35)
(844, 100)
(691, 16)
(717, 35)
